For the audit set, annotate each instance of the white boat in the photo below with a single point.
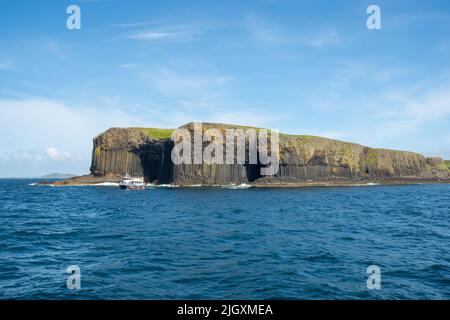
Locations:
(132, 183)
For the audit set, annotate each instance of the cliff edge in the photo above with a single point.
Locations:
(302, 160)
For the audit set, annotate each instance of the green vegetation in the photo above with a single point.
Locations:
(228, 126)
(447, 163)
(97, 152)
(301, 136)
(350, 158)
(372, 158)
(157, 133)
(167, 133)
(444, 165)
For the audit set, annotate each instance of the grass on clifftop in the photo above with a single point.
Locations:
(157, 133)
(447, 163)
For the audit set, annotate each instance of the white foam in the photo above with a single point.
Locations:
(107, 184)
(166, 186)
(41, 184)
(239, 186)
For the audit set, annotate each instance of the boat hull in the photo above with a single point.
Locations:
(132, 187)
(132, 184)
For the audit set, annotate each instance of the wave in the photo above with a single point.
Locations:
(107, 184)
(41, 184)
(177, 186)
(166, 186)
(227, 186)
(237, 187)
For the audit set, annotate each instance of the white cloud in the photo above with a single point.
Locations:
(133, 24)
(408, 19)
(39, 136)
(265, 31)
(54, 154)
(6, 65)
(152, 35)
(128, 66)
(269, 32)
(34, 131)
(165, 33)
(373, 106)
(401, 112)
(30, 157)
(181, 85)
(324, 39)
(35, 157)
(246, 117)
(54, 48)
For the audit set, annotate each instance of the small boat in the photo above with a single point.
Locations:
(132, 183)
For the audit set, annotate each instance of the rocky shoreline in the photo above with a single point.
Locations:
(303, 161)
(89, 180)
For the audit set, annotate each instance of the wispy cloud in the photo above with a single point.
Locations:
(35, 157)
(128, 66)
(30, 157)
(324, 39)
(418, 109)
(181, 85)
(6, 65)
(245, 116)
(269, 32)
(331, 134)
(134, 24)
(165, 33)
(399, 113)
(154, 35)
(407, 19)
(54, 48)
(56, 155)
(50, 125)
(265, 31)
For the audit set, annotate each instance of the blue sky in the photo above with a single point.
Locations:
(306, 67)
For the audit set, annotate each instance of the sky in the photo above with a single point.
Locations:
(303, 67)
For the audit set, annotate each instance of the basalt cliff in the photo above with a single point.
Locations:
(303, 160)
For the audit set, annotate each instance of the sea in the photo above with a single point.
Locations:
(224, 242)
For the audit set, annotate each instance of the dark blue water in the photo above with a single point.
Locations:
(198, 243)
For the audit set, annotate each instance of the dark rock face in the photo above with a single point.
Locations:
(123, 152)
(133, 151)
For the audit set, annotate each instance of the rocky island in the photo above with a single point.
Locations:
(303, 161)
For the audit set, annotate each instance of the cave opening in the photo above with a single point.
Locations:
(253, 172)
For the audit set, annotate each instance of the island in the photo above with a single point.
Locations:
(303, 161)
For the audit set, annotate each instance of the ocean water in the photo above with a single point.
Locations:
(216, 243)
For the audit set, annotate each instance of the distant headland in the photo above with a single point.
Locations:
(57, 176)
(302, 160)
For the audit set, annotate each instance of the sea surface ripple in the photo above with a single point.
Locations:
(215, 243)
